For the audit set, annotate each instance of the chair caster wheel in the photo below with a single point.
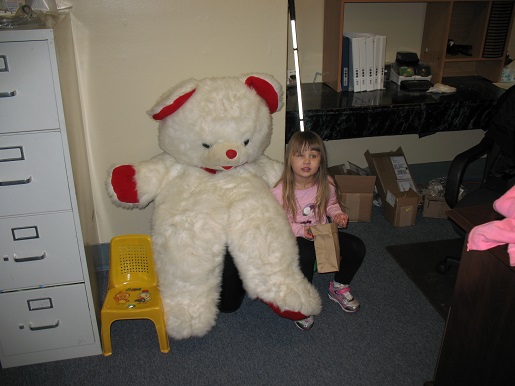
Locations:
(442, 268)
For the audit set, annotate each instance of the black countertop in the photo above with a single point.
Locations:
(392, 111)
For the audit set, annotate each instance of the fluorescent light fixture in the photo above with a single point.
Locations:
(291, 6)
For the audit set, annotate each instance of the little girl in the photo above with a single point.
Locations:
(309, 196)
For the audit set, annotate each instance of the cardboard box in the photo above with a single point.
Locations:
(395, 185)
(435, 207)
(356, 193)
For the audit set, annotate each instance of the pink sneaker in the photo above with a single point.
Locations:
(305, 324)
(342, 296)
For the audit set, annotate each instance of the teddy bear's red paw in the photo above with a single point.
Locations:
(124, 184)
(292, 315)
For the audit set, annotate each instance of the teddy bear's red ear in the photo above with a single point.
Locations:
(172, 107)
(270, 90)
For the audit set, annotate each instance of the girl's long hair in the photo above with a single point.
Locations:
(299, 142)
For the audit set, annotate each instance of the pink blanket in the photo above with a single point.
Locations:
(499, 232)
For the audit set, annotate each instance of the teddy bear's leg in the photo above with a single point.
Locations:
(189, 270)
(232, 293)
(266, 255)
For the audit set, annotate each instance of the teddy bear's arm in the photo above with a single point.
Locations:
(269, 169)
(121, 185)
(135, 186)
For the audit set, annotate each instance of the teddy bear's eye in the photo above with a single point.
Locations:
(207, 146)
(246, 142)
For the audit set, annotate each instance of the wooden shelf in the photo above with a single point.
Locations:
(467, 22)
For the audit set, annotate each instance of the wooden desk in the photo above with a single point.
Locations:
(471, 216)
(478, 346)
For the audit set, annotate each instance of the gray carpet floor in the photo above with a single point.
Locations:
(393, 340)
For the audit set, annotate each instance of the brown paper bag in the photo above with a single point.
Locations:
(327, 247)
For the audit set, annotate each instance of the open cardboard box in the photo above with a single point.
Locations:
(356, 192)
(435, 207)
(395, 185)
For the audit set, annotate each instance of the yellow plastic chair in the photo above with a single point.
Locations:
(132, 291)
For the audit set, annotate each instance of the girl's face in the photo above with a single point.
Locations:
(305, 164)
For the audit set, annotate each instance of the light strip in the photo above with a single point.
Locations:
(297, 74)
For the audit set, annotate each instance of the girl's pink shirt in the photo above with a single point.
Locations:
(305, 215)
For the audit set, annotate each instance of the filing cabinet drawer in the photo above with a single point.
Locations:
(45, 319)
(38, 250)
(27, 95)
(33, 176)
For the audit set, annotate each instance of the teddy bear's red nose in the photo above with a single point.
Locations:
(231, 153)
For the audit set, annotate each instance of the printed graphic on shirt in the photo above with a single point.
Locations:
(307, 211)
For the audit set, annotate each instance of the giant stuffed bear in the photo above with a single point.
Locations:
(211, 192)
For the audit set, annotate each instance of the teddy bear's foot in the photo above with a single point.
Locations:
(189, 315)
(295, 299)
(292, 315)
(184, 323)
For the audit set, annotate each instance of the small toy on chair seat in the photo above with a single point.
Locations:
(211, 193)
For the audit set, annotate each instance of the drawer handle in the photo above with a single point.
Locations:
(47, 327)
(16, 182)
(7, 94)
(5, 65)
(29, 258)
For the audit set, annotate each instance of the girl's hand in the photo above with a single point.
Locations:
(341, 220)
(307, 233)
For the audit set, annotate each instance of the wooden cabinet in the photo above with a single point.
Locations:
(484, 25)
(477, 345)
(47, 308)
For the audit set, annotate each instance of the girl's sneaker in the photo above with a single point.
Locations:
(305, 324)
(341, 295)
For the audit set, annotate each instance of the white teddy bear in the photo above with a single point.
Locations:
(211, 192)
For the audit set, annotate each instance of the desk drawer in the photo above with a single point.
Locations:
(38, 250)
(33, 176)
(45, 319)
(27, 94)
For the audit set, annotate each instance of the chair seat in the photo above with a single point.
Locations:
(132, 299)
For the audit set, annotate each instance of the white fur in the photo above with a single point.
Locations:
(198, 214)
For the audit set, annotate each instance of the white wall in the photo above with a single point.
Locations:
(130, 52)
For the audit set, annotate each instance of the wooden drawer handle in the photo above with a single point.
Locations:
(47, 327)
(29, 258)
(7, 94)
(16, 182)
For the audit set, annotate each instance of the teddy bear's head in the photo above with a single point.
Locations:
(218, 123)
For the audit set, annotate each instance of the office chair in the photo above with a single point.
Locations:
(132, 291)
(498, 145)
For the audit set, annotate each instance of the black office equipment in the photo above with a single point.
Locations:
(416, 85)
(407, 67)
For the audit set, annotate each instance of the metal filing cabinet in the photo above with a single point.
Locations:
(46, 304)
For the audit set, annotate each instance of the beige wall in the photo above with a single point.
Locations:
(130, 52)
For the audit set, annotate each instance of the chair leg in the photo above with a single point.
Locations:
(162, 336)
(106, 339)
(444, 265)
